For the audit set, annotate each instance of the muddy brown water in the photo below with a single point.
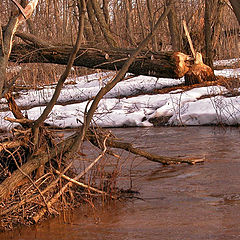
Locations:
(175, 202)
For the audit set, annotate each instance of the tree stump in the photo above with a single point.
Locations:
(199, 72)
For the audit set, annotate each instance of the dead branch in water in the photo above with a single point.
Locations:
(112, 143)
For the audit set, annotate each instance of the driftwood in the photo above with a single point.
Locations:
(159, 64)
(48, 188)
(33, 163)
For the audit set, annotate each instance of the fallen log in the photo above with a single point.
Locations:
(157, 64)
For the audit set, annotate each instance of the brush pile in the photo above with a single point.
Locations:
(30, 194)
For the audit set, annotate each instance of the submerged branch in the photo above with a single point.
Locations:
(140, 152)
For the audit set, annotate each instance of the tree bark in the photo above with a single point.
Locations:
(208, 33)
(174, 30)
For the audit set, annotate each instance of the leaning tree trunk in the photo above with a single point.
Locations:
(6, 37)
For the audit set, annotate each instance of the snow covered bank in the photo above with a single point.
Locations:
(83, 88)
(198, 106)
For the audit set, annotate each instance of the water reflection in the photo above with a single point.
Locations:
(176, 202)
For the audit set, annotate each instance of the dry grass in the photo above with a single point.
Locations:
(35, 75)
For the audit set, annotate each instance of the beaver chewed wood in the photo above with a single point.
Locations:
(157, 64)
(199, 72)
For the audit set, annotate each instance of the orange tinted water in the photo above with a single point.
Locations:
(175, 202)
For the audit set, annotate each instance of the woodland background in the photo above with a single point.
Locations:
(116, 23)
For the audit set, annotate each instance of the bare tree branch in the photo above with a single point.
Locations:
(65, 74)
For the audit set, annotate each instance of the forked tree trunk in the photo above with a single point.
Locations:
(103, 25)
(93, 22)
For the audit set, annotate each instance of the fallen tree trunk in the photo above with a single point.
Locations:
(161, 64)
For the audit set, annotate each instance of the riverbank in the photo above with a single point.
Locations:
(136, 101)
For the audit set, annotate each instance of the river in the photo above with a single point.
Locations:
(174, 202)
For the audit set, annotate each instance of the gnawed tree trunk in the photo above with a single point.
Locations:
(199, 72)
(161, 64)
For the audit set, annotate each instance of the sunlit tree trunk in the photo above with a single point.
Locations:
(6, 37)
(218, 8)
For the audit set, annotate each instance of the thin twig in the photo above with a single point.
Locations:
(83, 185)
